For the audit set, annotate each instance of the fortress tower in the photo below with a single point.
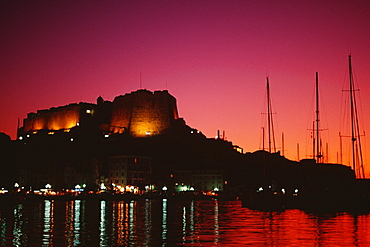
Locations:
(143, 113)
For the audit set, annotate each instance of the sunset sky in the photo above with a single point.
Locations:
(212, 56)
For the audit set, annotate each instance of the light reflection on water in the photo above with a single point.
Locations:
(168, 223)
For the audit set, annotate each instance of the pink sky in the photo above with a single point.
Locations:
(213, 56)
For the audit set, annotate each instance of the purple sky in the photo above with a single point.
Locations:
(213, 56)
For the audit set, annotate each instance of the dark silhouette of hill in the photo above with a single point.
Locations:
(179, 148)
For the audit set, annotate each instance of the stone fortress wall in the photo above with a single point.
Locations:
(57, 118)
(143, 113)
(140, 113)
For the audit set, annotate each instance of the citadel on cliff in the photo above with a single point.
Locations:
(133, 141)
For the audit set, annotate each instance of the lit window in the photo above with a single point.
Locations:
(106, 135)
(88, 111)
(148, 133)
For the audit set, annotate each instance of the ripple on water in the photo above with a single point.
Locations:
(169, 223)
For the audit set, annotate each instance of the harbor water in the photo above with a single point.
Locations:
(166, 222)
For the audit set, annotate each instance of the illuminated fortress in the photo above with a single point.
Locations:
(140, 113)
(143, 113)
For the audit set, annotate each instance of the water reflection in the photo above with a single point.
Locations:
(77, 222)
(103, 220)
(48, 222)
(18, 222)
(167, 223)
(164, 219)
(132, 219)
(147, 222)
(216, 223)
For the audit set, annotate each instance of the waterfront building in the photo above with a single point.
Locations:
(125, 172)
(199, 180)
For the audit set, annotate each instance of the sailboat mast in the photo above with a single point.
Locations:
(313, 141)
(318, 153)
(355, 131)
(270, 123)
(268, 114)
(353, 136)
(263, 138)
(282, 143)
(340, 149)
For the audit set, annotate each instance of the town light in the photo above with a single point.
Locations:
(295, 192)
(48, 186)
(164, 188)
(102, 186)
